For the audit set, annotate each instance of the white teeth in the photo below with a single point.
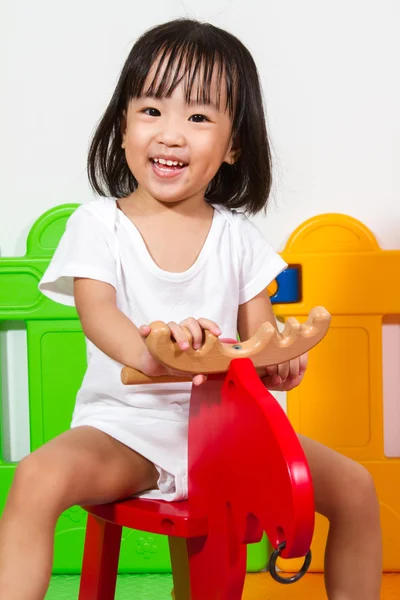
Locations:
(169, 163)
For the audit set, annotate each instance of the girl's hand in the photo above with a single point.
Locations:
(286, 376)
(150, 366)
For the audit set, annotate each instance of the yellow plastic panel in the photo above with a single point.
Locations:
(340, 402)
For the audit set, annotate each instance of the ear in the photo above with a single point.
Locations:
(233, 153)
(123, 128)
(232, 156)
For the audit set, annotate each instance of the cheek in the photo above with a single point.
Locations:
(221, 143)
(135, 137)
(139, 133)
(136, 149)
(214, 149)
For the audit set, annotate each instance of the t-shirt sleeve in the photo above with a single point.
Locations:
(85, 250)
(260, 264)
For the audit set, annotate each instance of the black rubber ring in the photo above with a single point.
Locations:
(272, 566)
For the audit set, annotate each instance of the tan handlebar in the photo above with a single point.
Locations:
(267, 347)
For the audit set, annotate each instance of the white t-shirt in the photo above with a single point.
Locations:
(100, 242)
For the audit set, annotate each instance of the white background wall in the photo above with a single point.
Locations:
(332, 95)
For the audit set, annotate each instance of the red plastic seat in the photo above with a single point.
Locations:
(247, 474)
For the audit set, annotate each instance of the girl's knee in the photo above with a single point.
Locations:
(38, 482)
(355, 496)
(361, 487)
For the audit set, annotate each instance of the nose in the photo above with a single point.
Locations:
(170, 133)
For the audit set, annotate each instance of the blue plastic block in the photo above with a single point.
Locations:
(288, 287)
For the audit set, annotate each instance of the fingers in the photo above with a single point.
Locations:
(286, 376)
(199, 379)
(272, 379)
(290, 369)
(179, 335)
(195, 330)
(210, 325)
(144, 331)
(303, 363)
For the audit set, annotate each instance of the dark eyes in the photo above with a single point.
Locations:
(154, 112)
(198, 119)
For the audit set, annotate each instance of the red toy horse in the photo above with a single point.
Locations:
(247, 473)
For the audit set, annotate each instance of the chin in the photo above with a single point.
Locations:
(168, 197)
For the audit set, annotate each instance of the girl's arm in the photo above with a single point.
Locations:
(105, 325)
(115, 335)
(254, 313)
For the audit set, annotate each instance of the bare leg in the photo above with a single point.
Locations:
(81, 466)
(345, 494)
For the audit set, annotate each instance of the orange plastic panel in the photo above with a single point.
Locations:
(340, 402)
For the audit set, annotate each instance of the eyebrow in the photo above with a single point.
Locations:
(199, 102)
(194, 102)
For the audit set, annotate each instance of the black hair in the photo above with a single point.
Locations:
(191, 50)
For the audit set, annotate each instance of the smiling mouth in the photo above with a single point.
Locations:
(168, 165)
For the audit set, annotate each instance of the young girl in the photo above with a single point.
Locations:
(181, 146)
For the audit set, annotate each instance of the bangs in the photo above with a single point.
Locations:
(207, 75)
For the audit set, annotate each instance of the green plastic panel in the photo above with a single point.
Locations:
(56, 364)
(129, 587)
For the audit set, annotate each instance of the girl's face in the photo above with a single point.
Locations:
(173, 148)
